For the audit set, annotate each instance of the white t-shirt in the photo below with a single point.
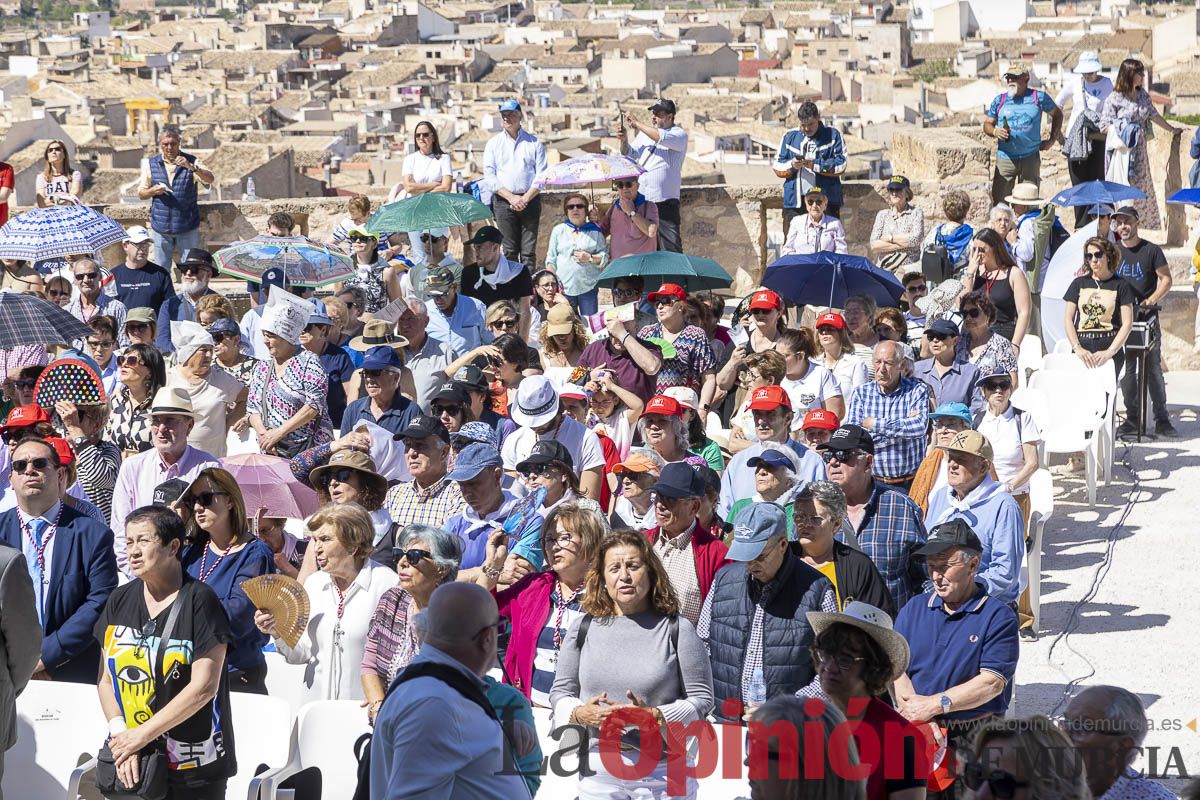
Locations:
(1006, 437)
(59, 184)
(580, 441)
(850, 372)
(426, 169)
(811, 391)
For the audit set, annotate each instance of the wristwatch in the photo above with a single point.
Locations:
(80, 442)
(946, 703)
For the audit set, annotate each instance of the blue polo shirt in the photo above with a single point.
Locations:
(339, 368)
(394, 419)
(951, 649)
(464, 329)
(956, 386)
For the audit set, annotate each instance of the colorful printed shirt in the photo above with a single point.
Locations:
(693, 357)
(277, 398)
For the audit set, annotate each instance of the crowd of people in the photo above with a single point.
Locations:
(645, 511)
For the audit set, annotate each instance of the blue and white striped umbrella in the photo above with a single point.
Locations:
(43, 233)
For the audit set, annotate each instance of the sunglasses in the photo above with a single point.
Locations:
(843, 456)
(38, 464)
(137, 326)
(815, 201)
(192, 270)
(359, 239)
(452, 411)
(625, 184)
(936, 337)
(535, 469)
(341, 475)
(666, 301)
(504, 323)
(992, 386)
(760, 312)
(86, 276)
(973, 313)
(576, 207)
(1093, 255)
(221, 337)
(350, 304)
(130, 361)
(625, 292)
(55, 150)
(313, 327)
(25, 383)
(100, 345)
(1003, 785)
(917, 287)
(423, 135)
(412, 555)
(204, 499)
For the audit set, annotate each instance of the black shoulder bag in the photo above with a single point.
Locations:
(152, 762)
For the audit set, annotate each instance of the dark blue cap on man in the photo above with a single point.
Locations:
(488, 233)
(850, 437)
(770, 458)
(474, 459)
(755, 525)
(422, 427)
(942, 326)
(954, 533)
(381, 357)
(679, 480)
(275, 276)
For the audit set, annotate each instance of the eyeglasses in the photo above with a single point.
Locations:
(86, 276)
(843, 456)
(626, 292)
(895, 191)
(665, 301)
(996, 386)
(1003, 785)
(350, 304)
(38, 464)
(203, 499)
(505, 323)
(576, 207)
(625, 184)
(804, 519)
(314, 327)
(972, 313)
(412, 555)
(844, 662)
(341, 475)
(129, 361)
(100, 345)
(916, 287)
(1093, 255)
(501, 627)
(535, 469)
(562, 540)
(949, 424)
(450, 410)
(548, 286)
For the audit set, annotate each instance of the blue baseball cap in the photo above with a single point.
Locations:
(319, 315)
(474, 459)
(381, 358)
(224, 325)
(479, 432)
(275, 276)
(952, 410)
(997, 374)
(944, 327)
(755, 525)
(770, 458)
(510, 105)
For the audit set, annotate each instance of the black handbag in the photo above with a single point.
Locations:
(152, 761)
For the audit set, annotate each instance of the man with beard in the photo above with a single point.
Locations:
(196, 269)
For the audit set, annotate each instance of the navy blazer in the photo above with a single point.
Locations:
(83, 573)
(172, 310)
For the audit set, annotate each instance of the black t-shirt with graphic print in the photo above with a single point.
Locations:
(199, 749)
(1140, 265)
(1098, 306)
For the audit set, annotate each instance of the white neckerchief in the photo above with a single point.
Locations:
(505, 271)
(977, 496)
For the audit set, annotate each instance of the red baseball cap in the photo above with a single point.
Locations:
(821, 419)
(769, 398)
(767, 299)
(832, 319)
(65, 456)
(573, 391)
(661, 404)
(24, 417)
(668, 290)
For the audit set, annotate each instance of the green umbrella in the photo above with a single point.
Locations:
(691, 272)
(425, 212)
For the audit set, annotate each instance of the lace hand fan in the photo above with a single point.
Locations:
(284, 598)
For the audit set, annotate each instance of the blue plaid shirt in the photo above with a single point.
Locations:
(899, 423)
(892, 529)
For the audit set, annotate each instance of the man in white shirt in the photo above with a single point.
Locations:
(512, 160)
(434, 736)
(660, 149)
(1087, 90)
(538, 410)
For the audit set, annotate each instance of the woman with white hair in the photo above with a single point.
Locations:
(775, 480)
(662, 429)
(426, 557)
(1003, 221)
(286, 403)
(217, 397)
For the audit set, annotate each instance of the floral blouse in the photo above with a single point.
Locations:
(129, 422)
(908, 226)
(369, 278)
(278, 398)
(997, 353)
(241, 371)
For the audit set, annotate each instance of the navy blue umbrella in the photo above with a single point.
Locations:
(1096, 193)
(827, 279)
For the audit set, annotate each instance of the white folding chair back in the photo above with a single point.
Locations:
(1062, 346)
(1102, 379)
(1029, 359)
(59, 727)
(1041, 508)
(326, 731)
(1059, 361)
(289, 682)
(1070, 414)
(262, 733)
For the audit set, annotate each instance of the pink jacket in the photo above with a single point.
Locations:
(527, 605)
(709, 553)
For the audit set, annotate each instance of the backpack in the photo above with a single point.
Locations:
(1004, 99)
(936, 264)
(453, 678)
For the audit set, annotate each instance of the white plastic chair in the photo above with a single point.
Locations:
(262, 732)
(1029, 359)
(1103, 379)
(286, 681)
(59, 726)
(1041, 508)
(325, 733)
(1063, 346)
(1071, 422)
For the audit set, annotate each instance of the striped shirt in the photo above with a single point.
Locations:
(409, 504)
(545, 659)
(392, 640)
(899, 421)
